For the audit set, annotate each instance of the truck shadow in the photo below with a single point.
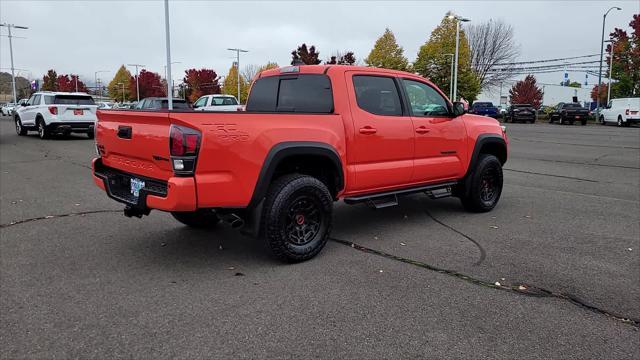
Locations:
(177, 246)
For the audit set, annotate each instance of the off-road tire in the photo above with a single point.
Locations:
(204, 218)
(20, 129)
(43, 132)
(297, 206)
(476, 200)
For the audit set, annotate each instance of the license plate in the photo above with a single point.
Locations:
(136, 185)
(78, 112)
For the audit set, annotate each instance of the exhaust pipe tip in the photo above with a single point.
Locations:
(234, 221)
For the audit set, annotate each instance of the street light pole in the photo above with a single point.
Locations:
(168, 42)
(238, 51)
(76, 82)
(13, 77)
(95, 79)
(122, 91)
(137, 86)
(455, 72)
(604, 19)
(451, 77)
(610, 67)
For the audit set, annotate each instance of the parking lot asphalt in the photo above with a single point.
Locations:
(78, 279)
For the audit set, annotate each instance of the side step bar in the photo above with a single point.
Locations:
(390, 198)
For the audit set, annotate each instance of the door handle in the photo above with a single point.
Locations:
(422, 130)
(124, 132)
(368, 130)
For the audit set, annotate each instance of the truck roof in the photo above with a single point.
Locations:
(325, 69)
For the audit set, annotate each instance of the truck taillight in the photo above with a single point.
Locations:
(184, 141)
(53, 110)
(184, 144)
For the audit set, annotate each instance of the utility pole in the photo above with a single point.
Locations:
(137, 86)
(168, 42)
(76, 82)
(238, 51)
(13, 76)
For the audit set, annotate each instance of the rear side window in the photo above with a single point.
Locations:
(304, 93)
(377, 95)
(73, 100)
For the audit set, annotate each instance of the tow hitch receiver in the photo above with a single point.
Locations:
(130, 211)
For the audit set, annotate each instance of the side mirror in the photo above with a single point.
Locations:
(458, 108)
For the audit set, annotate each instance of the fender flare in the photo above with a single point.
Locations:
(281, 151)
(482, 140)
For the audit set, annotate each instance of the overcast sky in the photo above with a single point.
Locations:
(85, 36)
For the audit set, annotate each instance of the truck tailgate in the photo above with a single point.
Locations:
(136, 142)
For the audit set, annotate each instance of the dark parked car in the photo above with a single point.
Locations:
(569, 113)
(157, 103)
(521, 112)
(485, 109)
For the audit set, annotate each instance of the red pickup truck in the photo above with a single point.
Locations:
(310, 135)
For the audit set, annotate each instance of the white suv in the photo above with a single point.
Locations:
(56, 113)
(623, 112)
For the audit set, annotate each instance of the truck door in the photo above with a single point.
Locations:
(383, 139)
(440, 151)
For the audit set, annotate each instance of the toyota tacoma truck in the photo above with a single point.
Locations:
(310, 135)
(569, 113)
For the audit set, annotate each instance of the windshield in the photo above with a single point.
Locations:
(224, 100)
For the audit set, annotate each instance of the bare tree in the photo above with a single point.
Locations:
(493, 48)
(249, 72)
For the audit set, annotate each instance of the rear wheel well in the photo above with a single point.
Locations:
(496, 149)
(318, 166)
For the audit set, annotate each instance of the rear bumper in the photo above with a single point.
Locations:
(175, 194)
(576, 116)
(524, 116)
(67, 127)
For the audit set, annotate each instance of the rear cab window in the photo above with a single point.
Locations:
(292, 93)
(223, 100)
(572, 106)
